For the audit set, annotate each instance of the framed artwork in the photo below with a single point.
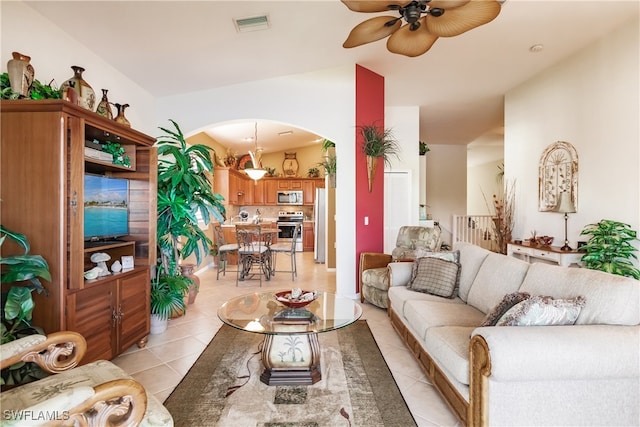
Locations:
(558, 178)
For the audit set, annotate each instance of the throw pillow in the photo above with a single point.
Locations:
(448, 255)
(543, 311)
(503, 306)
(435, 276)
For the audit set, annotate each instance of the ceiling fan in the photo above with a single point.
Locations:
(426, 20)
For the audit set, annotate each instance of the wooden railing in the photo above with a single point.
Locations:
(476, 229)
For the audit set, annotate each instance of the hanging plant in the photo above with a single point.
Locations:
(377, 143)
(609, 249)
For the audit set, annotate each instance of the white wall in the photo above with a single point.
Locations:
(322, 102)
(446, 184)
(405, 124)
(482, 184)
(53, 53)
(590, 100)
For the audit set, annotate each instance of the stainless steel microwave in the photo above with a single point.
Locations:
(289, 197)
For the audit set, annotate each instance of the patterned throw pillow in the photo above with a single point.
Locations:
(447, 255)
(435, 276)
(543, 311)
(503, 306)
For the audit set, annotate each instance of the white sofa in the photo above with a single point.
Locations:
(583, 374)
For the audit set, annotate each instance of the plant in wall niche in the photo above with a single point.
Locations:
(327, 144)
(423, 148)
(120, 156)
(609, 249)
(377, 143)
(330, 165)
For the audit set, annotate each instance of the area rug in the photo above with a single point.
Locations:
(223, 387)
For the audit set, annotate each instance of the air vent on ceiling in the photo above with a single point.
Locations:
(253, 23)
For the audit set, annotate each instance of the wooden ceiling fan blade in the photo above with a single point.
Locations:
(447, 4)
(371, 30)
(373, 5)
(411, 43)
(456, 21)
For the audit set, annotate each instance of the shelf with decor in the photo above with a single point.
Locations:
(43, 143)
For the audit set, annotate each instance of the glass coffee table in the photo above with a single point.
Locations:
(290, 352)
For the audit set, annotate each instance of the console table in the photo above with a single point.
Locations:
(549, 253)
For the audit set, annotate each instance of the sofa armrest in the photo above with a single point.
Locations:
(400, 273)
(58, 352)
(578, 352)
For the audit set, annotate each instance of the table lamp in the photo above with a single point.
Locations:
(565, 206)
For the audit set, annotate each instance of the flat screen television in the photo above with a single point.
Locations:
(106, 207)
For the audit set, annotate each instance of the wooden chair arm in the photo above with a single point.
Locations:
(59, 352)
(120, 402)
(373, 260)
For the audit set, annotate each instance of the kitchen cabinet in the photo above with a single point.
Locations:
(270, 192)
(308, 192)
(42, 171)
(289, 184)
(259, 193)
(308, 237)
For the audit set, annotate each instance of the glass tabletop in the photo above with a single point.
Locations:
(260, 312)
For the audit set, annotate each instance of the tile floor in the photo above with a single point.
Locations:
(167, 357)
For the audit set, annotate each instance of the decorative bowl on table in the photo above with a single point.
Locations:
(544, 240)
(296, 298)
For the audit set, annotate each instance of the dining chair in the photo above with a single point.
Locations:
(254, 255)
(289, 249)
(222, 249)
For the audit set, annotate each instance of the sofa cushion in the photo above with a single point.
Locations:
(503, 306)
(543, 311)
(400, 295)
(471, 258)
(498, 276)
(376, 277)
(436, 276)
(449, 347)
(609, 299)
(423, 315)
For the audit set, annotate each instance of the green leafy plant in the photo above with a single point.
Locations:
(423, 148)
(330, 164)
(37, 90)
(609, 249)
(185, 197)
(271, 171)
(379, 143)
(120, 156)
(313, 172)
(326, 144)
(167, 294)
(25, 270)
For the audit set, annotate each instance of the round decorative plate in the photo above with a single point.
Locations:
(283, 297)
(243, 161)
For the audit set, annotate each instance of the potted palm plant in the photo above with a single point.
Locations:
(609, 248)
(377, 143)
(185, 200)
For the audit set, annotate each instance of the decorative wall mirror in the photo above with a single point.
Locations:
(558, 179)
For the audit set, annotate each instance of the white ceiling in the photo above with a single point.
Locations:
(459, 84)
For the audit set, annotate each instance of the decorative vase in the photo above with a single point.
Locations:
(120, 118)
(86, 95)
(188, 271)
(372, 164)
(104, 108)
(21, 74)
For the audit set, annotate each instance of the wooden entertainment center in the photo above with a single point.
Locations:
(43, 164)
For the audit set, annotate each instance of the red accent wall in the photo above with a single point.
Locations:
(369, 110)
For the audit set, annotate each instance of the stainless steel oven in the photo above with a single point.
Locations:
(287, 221)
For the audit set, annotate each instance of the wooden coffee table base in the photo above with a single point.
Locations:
(291, 359)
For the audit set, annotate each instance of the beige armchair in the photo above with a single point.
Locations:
(96, 394)
(412, 242)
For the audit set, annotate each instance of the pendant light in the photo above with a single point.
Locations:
(255, 172)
